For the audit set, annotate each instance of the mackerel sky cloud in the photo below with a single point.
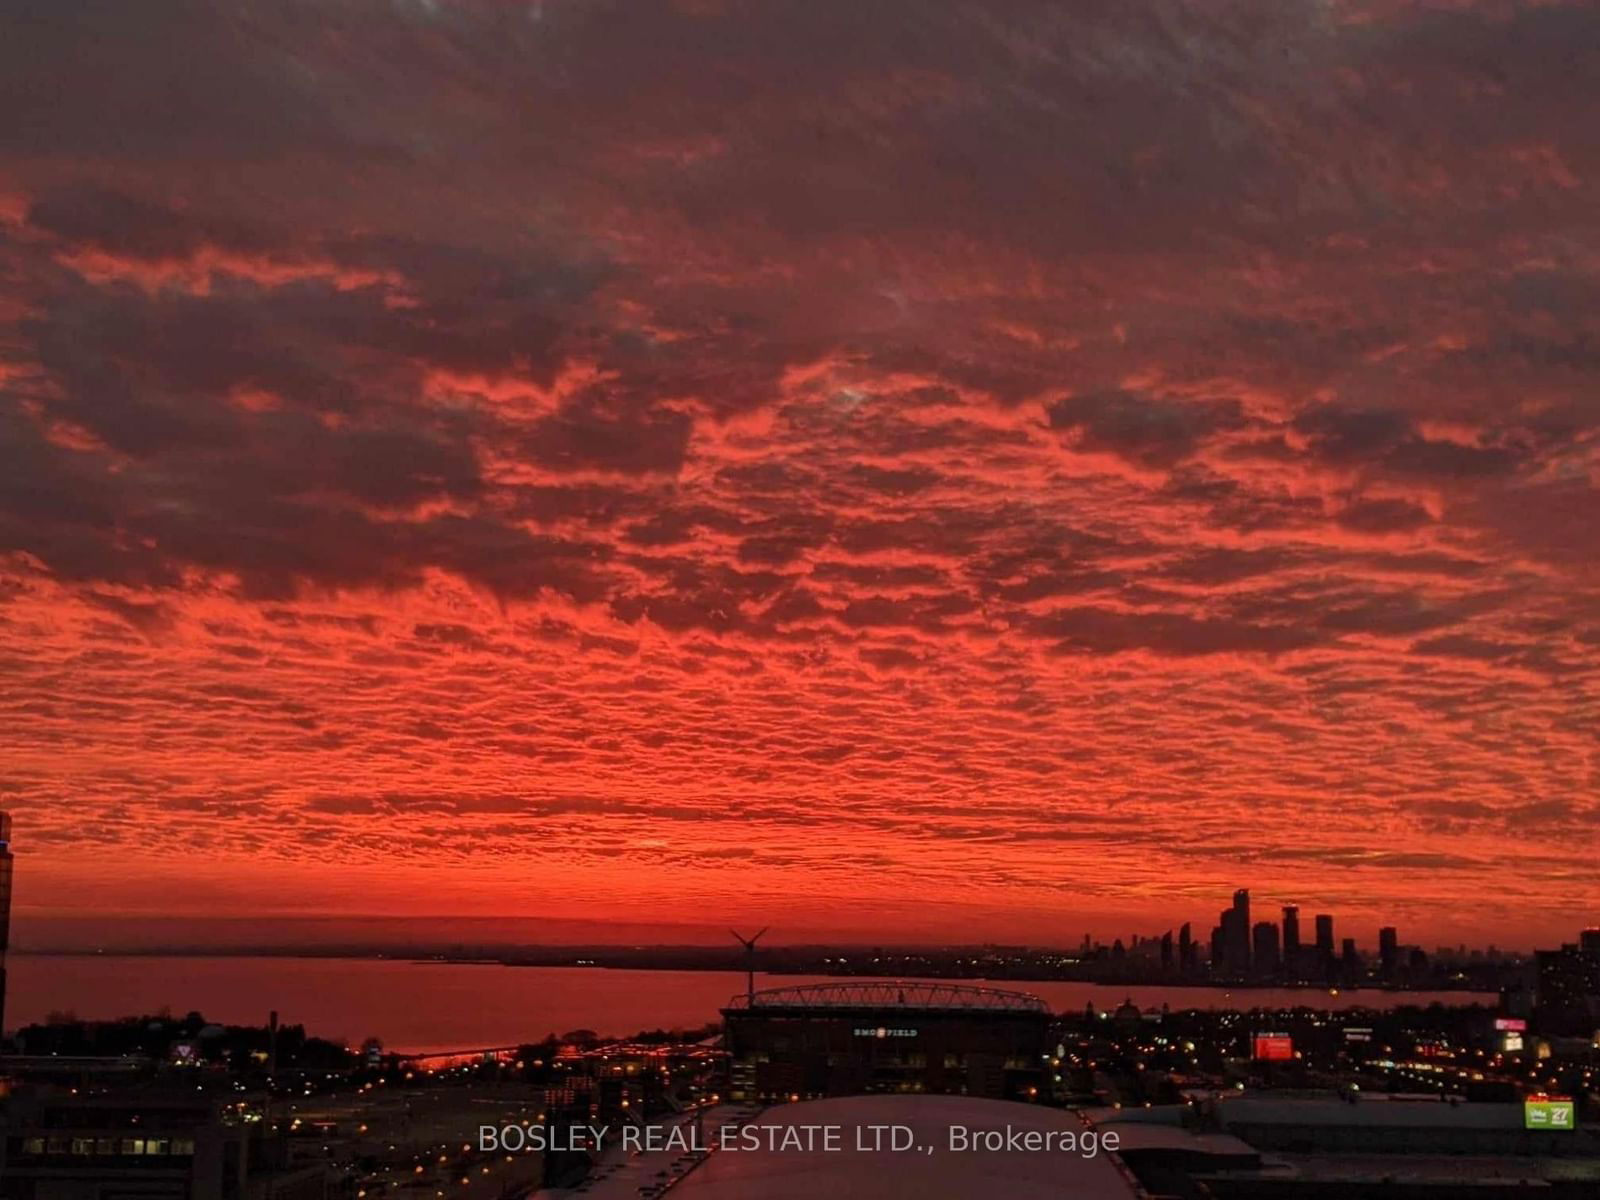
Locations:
(1014, 469)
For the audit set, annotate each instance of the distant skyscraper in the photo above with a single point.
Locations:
(1166, 951)
(1236, 933)
(1349, 959)
(1388, 950)
(1324, 943)
(1589, 941)
(1291, 936)
(5, 908)
(1264, 947)
(1187, 956)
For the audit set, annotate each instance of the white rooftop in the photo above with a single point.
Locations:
(849, 1174)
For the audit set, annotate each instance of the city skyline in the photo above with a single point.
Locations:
(983, 473)
(1238, 947)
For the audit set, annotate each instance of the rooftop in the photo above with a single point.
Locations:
(1323, 1111)
(930, 1170)
(1374, 1112)
(1465, 1171)
(1166, 1134)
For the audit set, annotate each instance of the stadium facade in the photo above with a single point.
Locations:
(842, 1039)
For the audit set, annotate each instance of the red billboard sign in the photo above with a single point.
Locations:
(1273, 1047)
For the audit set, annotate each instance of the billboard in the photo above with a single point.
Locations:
(1273, 1047)
(1510, 1025)
(1547, 1112)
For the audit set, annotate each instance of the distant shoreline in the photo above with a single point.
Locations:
(735, 968)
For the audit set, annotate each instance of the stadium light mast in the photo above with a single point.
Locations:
(749, 944)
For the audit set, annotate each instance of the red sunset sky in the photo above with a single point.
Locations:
(895, 470)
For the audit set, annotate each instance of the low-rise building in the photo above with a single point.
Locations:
(142, 1144)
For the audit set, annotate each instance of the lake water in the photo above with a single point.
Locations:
(445, 1006)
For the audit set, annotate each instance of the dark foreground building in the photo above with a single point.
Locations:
(5, 911)
(141, 1144)
(848, 1038)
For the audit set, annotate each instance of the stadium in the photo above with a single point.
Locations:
(842, 1039)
